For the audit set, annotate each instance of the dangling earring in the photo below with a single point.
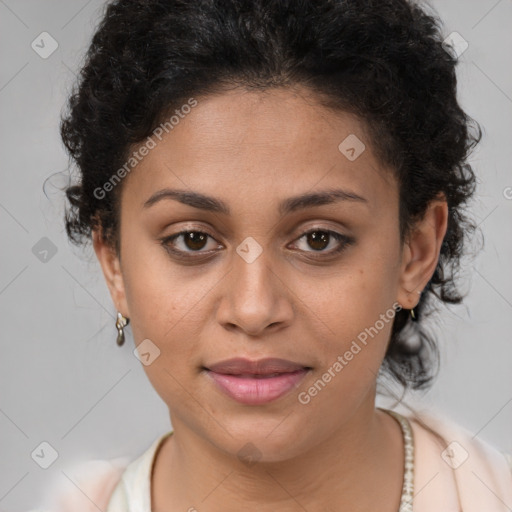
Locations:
(413, 316)
(121, 322)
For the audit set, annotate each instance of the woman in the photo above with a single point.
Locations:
(274, 191)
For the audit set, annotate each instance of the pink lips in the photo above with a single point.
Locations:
(256, 382)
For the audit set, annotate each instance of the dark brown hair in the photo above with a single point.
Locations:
(383, 60)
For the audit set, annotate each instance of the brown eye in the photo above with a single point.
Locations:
(318, 240)
(195, 240)
(184, 244)
(187, 242)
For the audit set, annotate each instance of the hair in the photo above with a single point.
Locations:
(381, 60)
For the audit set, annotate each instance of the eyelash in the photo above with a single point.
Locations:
(347, 241)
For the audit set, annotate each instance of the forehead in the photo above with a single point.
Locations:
(243, 144)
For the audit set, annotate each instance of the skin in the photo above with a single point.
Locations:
(252, 150)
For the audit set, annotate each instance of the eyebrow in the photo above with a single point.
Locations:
(292, 204)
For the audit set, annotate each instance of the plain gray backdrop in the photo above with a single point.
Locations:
(64, 381)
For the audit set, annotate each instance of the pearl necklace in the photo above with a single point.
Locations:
(408, 482)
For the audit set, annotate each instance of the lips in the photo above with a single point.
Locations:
(263, 368)
(256, 382)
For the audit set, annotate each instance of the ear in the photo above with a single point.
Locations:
(421, 253)
(111, 268)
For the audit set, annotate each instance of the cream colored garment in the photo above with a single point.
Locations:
(471, 476)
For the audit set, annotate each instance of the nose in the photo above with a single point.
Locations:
(255, 298)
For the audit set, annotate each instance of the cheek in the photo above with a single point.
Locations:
(353, 346)
(353, 314)
(159, 294)
(166, 313)
(168, 306)
(350, 300)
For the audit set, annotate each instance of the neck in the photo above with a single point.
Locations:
(365, 453)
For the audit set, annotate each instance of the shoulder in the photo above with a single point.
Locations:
(134, 486)
(96, 484)
(452, 462)
(84, 487)
(459, 442)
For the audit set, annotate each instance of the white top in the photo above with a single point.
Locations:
(469, 476)
(132, 493)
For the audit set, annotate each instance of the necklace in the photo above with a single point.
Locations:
(408, 482)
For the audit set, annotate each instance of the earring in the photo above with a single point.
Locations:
(413, 316)
(121, 322)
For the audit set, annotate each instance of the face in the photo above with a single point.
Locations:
(259, 273)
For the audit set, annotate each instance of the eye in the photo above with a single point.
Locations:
(320, 239)
(188, 241)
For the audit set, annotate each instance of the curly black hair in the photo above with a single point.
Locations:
(382, 60)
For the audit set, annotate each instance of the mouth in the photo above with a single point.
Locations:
(256, 382)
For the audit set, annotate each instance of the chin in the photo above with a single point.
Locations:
(255, 440)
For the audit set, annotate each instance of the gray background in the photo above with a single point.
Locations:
(63, 379)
